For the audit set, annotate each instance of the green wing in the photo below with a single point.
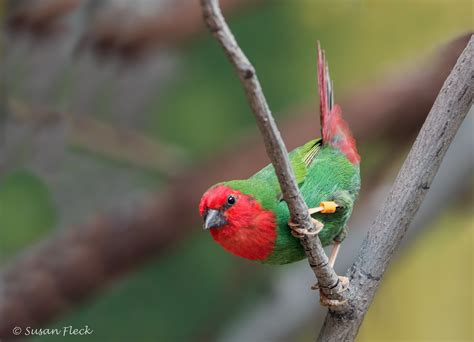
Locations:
(300, 159)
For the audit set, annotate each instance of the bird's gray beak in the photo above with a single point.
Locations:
(214, 219)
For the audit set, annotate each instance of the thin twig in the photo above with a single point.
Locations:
(327, 279)
(407, 193)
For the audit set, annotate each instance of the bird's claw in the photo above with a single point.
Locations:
(325, 301)
(344, 282)
(301, 233)
(331, 302)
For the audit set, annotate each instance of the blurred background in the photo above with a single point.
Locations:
(115, 116)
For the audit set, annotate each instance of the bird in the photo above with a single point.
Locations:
(249, 217)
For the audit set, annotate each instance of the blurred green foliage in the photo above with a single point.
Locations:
(26, 210)
(193, 292)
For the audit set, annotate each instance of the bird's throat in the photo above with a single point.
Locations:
(251, 239)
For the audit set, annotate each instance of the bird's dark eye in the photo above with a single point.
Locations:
(230, 200)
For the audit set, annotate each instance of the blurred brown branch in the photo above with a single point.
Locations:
(39, 17)
(118, 30)
(173, 26)
(407, 193)
(122, 144)
(73, 264)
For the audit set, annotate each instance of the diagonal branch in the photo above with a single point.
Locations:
(407, 193)
(275, 147)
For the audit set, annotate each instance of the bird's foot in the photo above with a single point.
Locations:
(325, 301)
(344, 281)
(300, 233)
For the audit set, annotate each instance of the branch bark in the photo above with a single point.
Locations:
(407, 193)
(276, 150)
